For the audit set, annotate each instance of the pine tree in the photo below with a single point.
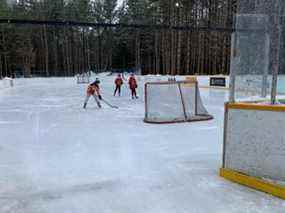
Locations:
(67, 50)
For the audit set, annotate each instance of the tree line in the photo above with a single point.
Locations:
(47, 50)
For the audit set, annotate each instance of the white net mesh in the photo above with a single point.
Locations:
(170, 102)
(257, 63)
(83, 78)
(250, 56)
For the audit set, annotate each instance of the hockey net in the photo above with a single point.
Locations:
(83, 78)
(171, 102)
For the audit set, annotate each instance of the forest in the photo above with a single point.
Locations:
(66, 50)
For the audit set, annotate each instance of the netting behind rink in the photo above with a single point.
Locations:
(171, 102)
(250, 56)
(257, 64)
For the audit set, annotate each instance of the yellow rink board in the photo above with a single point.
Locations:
(192, 79)
(244, 179)
(254, 183)
(256, 106)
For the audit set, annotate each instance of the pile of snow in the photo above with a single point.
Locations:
(6, 83)
(203, 80)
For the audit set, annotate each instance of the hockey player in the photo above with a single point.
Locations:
(118, 83)
(133, 86)
(93, 90)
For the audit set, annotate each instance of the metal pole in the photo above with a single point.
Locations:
(232, 69)
(226, 117)
(182, 101)
(146, 100)
(196, 97)
(275, 42)
(266, 67)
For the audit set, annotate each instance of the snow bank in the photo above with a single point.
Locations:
(6, 83)
(202, 79)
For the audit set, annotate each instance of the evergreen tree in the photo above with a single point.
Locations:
(66, 50)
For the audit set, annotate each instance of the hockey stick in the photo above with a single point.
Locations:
(110, 105)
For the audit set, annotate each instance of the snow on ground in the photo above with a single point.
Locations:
(56, 157)
(6, 83)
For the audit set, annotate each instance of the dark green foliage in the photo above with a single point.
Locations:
(67, 50)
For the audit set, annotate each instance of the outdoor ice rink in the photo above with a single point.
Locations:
(56, 157)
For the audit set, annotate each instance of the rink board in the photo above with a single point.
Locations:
(254, 145)
(253, 182)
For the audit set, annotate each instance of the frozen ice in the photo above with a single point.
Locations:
(56, 157)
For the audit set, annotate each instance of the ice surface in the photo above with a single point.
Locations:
(56, 157)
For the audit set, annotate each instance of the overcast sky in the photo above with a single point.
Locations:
(120, 1)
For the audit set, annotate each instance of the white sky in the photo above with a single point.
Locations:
(120, 2)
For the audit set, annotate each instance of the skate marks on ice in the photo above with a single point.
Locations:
(11, 122)
(145, 194)
(36, 202)
(163, 169)
(13, 117)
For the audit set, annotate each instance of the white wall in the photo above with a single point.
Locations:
(255, 143)
(6, 83)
